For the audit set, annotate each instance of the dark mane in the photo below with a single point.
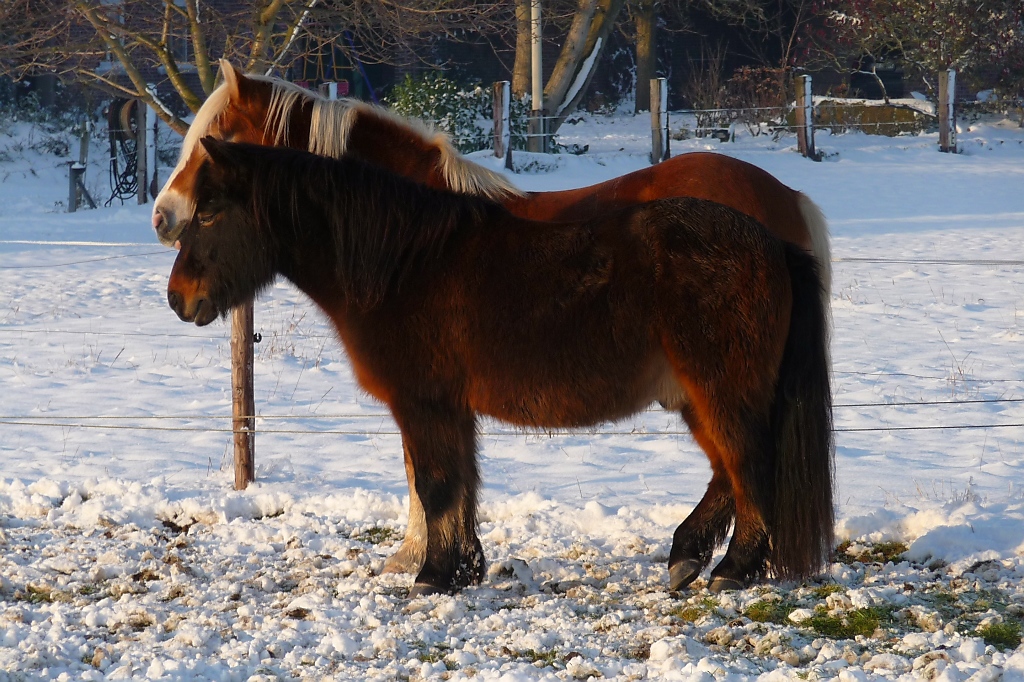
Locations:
(336, 195)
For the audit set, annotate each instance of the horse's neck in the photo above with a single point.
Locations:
(403, 151)
(363, 228)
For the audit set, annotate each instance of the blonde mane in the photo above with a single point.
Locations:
(331, 124)
(212, 108)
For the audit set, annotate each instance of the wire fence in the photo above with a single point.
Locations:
(832, 115)
(207, 423)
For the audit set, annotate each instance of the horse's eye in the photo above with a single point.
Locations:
(206, 219)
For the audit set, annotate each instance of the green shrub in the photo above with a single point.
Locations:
(464, 112)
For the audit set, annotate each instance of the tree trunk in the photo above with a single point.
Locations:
(646, 53)
(580, 53)
(521, 68)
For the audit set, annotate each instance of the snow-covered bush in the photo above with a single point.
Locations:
(53, 130)
(464, 112)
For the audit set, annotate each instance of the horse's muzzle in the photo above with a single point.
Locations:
(167, 229)
(201, 311)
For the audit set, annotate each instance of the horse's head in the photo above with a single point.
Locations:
(235, 111)
(222, 261)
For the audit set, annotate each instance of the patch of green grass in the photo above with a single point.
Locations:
(1003, 636)
(850, 624)
(822, 591)
(770, 611)
(691, 613)
(548, 658)
(375, 535)
(434, 654)
(882, 552)
(41, 595)
(985, 600)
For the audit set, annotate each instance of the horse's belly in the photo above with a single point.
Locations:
(550, 399)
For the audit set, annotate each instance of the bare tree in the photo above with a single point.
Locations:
(585, 25)
(774, 32)
(928, 36)
(521, 67)
(118, 46)
(645, 18)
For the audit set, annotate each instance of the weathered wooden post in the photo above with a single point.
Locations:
(141, 152)
(154, 162)
(659, 120)
(76, 172)
(243, 403)
(805, 118)
(502, 125)
(947, 111)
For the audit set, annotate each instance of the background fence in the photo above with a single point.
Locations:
(933, 413)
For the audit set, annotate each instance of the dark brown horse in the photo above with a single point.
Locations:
(270, 111)
(450, 307)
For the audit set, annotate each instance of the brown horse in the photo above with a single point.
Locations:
(450, 307)
(270, 111)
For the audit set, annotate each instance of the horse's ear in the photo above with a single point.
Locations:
(232, 76)
(218, 150)
(230, 166)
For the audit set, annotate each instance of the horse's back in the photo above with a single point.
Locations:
(701, 175)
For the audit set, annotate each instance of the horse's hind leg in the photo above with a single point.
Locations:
(705, 528)
(750, 468)
(409, 557)
(441, 446)
(733, 429)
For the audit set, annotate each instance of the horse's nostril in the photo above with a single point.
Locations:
(158, 219)
(174, 300)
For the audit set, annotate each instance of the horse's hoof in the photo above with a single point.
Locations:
(682, 574)
(720, 584)
(426, 590)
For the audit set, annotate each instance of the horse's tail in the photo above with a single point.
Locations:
(817, 229)
(802, 518)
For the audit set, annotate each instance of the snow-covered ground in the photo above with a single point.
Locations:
(124, 553)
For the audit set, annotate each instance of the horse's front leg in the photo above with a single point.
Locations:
(409, 557)
(440, 443)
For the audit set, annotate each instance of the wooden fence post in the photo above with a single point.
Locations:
(659, 120)
(805, 118)
(141, 152)
(502, 125)
(947, 111)
(243, 403)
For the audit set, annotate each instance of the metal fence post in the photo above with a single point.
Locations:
(659, 120)
(537, 140)
(947, 111)
(502, 124)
